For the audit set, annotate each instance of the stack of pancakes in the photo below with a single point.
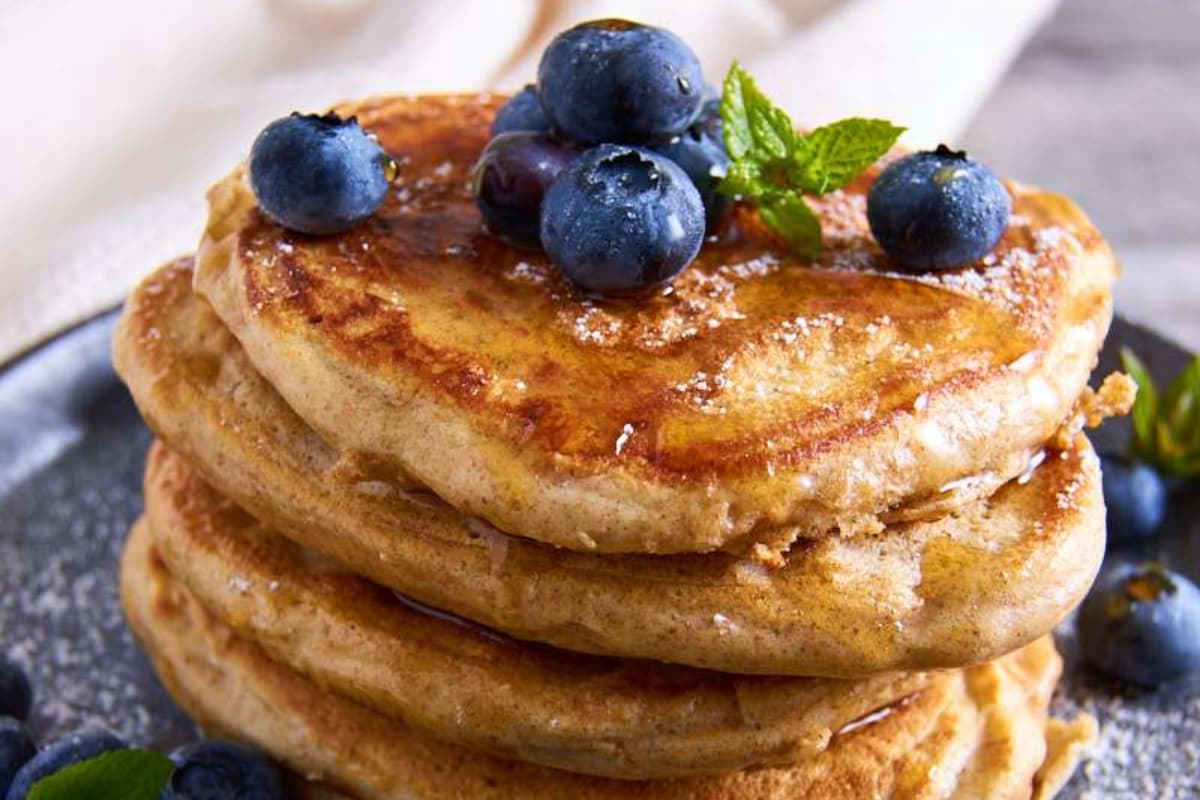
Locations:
(425, 522)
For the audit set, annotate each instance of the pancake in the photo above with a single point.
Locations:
(975, 734)
(756, 399)
(962, 589)
(466, 684)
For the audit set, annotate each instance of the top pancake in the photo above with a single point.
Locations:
(756, 399)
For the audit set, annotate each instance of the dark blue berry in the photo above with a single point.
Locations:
(16, 748)
(216, 770)
(318, 174)
(16, 695)
(522, 112)
(622, 219)
(704, 160)
(709, 120)
(938, 210)
(618, 81)
(1135, 496)
(60, 755)
(1141, 625)
(511, 178)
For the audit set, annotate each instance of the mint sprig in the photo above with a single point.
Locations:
(1166, 427)
(773, 166)
(117, 775)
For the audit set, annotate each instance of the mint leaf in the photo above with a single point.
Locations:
(771, 131)
(1145, 406)
(772, 166)
(754, 127)
(831, 156)
(790, 217)
(117, 775)
(1181, 406)
(1166, 428)
(744, 178)
(735, 122)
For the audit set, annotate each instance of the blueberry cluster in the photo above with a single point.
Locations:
(611, 162)
(209, 770)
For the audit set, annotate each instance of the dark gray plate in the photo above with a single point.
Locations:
(71, 449)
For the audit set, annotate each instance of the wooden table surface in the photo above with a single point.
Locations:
(1104, 105)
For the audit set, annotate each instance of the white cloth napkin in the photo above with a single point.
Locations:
(119, 114)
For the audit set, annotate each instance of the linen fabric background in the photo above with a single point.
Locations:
(120, 114)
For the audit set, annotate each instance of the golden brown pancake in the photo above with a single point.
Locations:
(756, 399)
(978, 733)
(995, 575)
(1067, 743)
(462, 683)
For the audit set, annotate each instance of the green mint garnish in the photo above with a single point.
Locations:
(773, 166)
(1166, 428)
(117, 775)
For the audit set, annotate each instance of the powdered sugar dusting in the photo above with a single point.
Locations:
(61, 533)
(1149, 744)
(1019, 277)
(1066, 499)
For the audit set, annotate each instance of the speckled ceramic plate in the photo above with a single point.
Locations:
(71, 449)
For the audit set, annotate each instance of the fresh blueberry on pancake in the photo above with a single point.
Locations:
(703, 158)
(709, 121)
(318, 174)
(60, 755)
(16, 748)
(511, 178)
(1142, 625)
(938, 210)
(622, 219)
(215, 770)
(618, 81)
(1135, 497)
(523, 112)
(16, 695)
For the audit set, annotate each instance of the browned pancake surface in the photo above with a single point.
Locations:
(978, 735)
(463, 683)
(756, 391)
(997, 573)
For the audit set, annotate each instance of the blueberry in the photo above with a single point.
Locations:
(60, 755)
(16, 748)
(16, 695)
(704, 160)
(617, 81)
(622, 219)
(938, 210)
(511, 178)
(318, 174)
(1135, 496)
(1141, 625)
(522, 112)
(216, 770)
(709, 121)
